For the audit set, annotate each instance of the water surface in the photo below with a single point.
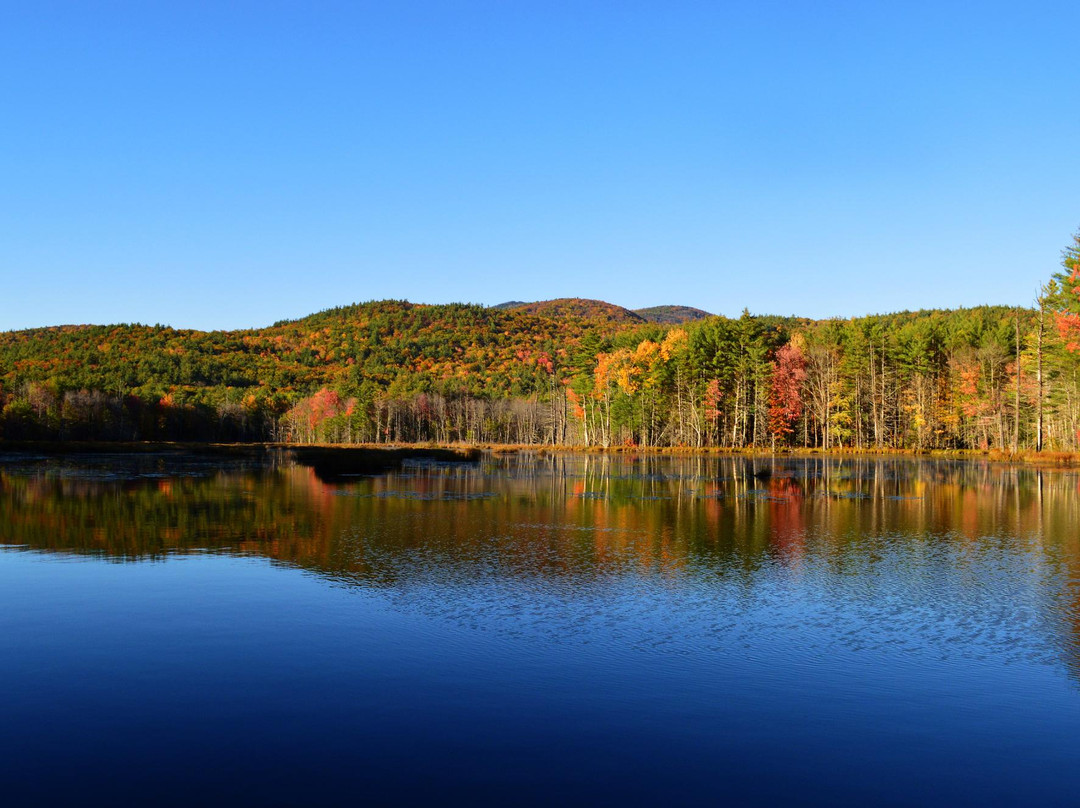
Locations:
(532, 630)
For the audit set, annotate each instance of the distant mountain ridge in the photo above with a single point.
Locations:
(672, 315)
(588, 309)
(579, 308)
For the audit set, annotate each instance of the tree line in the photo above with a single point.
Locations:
(989, 377)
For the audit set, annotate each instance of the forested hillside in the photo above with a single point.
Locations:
(672, 315)
(577, 308)
(565, 372)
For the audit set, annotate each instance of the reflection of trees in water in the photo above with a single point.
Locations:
(687, 506)
(941, 526)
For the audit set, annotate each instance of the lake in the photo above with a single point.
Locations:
(534, 630)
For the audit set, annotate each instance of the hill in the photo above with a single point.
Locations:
(601, 311)
(559, 371)
(394, 346)
(576, 308)
(671, 315)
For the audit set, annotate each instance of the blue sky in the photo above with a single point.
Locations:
(229, 164)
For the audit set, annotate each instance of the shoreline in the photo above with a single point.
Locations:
(462, 452)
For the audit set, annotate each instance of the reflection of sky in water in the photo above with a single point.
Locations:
(657, 598)
(955, 557)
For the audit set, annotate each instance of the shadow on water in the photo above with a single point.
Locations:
(334, 464)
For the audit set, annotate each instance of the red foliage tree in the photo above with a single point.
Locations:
(309, 413)
(713, 394)
(785, 391)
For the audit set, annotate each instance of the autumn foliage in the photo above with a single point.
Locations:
(1068, 317)
(785, 391)
(564, 372)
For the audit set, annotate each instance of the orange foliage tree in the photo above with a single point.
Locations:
(1067, 318)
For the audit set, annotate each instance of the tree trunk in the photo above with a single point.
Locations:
(1016, 403)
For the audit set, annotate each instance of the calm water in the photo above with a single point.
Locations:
(529, 630)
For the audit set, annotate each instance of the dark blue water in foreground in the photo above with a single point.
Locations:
(575, 630)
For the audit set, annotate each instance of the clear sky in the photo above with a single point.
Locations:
(229, 164)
